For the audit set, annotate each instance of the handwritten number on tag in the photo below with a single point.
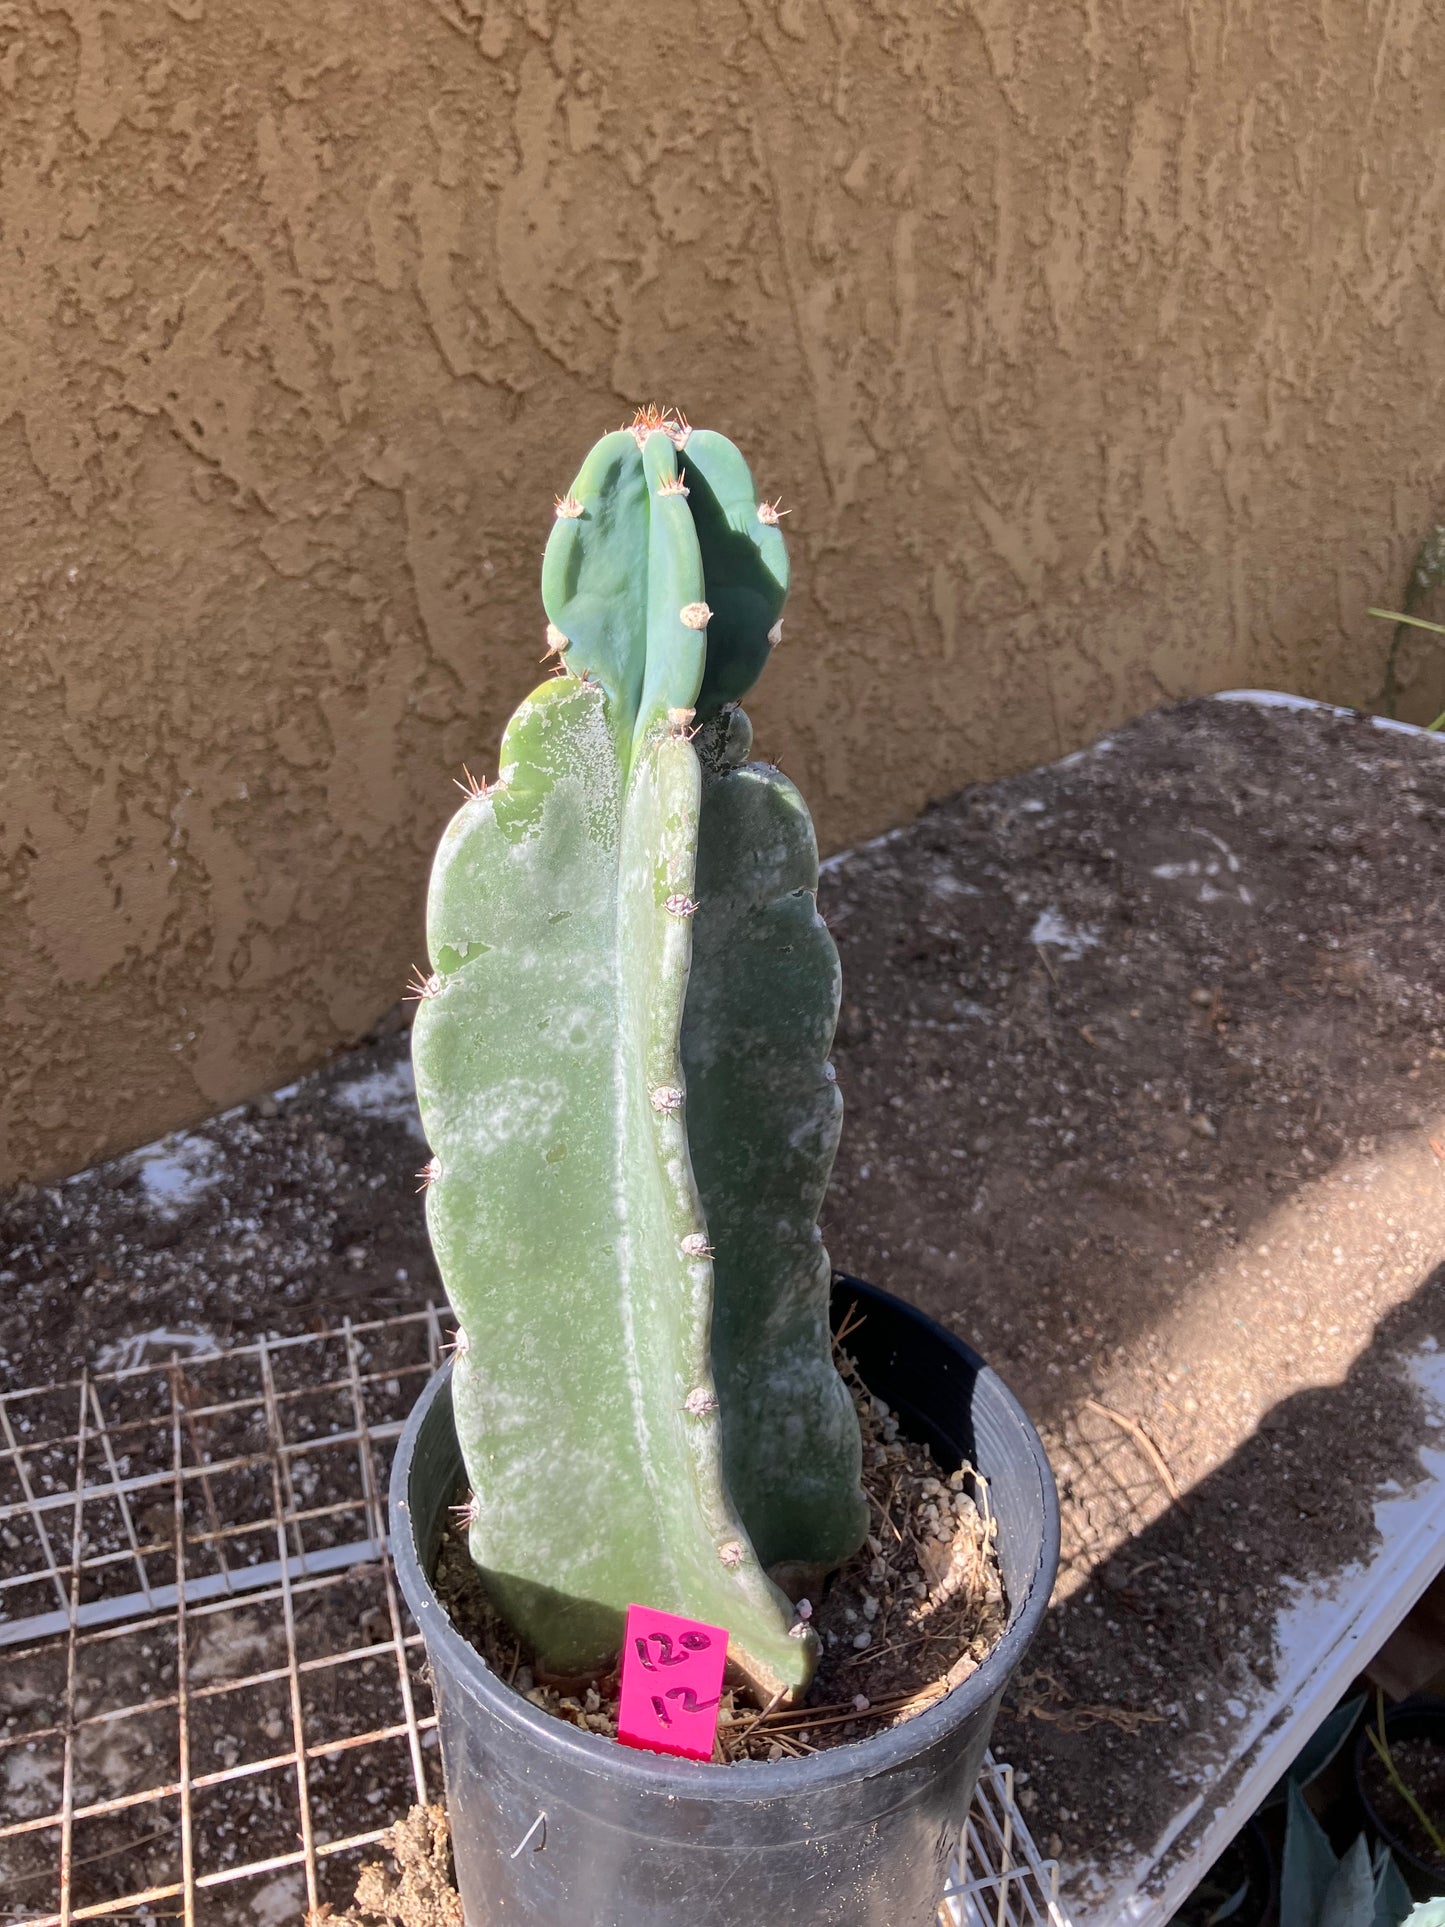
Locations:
(672, 1682)
(690, 1703)
(690, 1642)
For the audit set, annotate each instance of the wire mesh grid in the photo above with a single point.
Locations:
(212, 1700)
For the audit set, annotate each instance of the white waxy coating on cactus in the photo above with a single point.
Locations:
(559, 1226)
(507, 1067)
(775, 634)
(694, 615)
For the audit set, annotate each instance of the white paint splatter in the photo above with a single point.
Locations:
(1070, 940)
(943, 883)
(279, 1901)
(146, 1347)
(389, 1094)
(1224, 864)
(178, 1171)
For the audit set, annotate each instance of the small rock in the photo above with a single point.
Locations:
(862, 1641)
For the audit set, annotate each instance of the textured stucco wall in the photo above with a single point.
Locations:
(1097, 345)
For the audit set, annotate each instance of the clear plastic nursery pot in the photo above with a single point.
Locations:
(552, 1825)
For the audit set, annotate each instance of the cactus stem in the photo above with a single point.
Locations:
(775, 634)
(666, 1098)
(419, 987)
(679, 904)
(429, 1173)
(695, 1245)
(772, 512)
(469, 1512)
(700, 1402)
(557, 643)
(694, 615)
(567, 508)
(732, 1552)
(674, 484)
(472, 785)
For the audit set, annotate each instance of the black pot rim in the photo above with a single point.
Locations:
(740, 1781)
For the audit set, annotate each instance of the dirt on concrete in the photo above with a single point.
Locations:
(1144, 1062)
(1144, 1059)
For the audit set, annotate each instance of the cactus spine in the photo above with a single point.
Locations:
(627, 1168)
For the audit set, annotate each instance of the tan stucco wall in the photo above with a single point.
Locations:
(1097, 344)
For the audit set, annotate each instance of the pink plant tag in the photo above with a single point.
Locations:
(672, 1672)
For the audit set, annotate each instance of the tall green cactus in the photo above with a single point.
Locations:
(627, 1167)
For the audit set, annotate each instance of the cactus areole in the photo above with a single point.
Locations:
(621, 1052)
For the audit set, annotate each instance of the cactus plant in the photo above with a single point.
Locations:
(621, 1064)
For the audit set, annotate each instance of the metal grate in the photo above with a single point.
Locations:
(212, 1701)
(1000, 1880)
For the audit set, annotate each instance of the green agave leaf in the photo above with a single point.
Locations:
(1309, 1865)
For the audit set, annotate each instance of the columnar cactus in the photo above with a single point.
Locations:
(621, 1062)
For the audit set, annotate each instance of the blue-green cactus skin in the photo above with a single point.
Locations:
(628, 1166)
